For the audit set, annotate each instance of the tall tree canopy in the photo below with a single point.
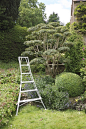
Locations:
(53, 17)
(31, 13)
(8, 13)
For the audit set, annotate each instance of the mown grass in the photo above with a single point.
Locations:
(30, 117)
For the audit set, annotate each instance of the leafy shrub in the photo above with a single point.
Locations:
(52, 98)
(38, 68)
(42, 81)
(8, 99)
(70, 82)
(83, 75)
(75, 55)
(9, 76)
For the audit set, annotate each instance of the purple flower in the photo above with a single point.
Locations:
(82, 58)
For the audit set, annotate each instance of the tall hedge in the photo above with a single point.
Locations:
(75, 55)
(11, 43)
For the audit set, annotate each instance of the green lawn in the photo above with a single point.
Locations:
(30, 117)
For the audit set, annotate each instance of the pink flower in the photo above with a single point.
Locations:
(82, 58)
(83, 49)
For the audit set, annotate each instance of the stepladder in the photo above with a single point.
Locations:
(28, 91)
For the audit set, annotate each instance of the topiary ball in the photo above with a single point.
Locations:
(70, 82)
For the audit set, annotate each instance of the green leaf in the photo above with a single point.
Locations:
(63, 49)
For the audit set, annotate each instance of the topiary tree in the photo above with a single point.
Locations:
(70, 82)
(47, 42)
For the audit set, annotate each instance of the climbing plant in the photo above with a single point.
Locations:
(80, 13)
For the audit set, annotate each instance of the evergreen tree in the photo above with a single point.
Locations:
(8, 13)
(53, 17)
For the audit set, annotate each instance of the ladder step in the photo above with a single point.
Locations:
(27, 81)
(23, 57)
(28, 90)
(26, 73)
(24, 64)
(30, 100)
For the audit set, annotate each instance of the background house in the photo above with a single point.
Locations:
(75, 3)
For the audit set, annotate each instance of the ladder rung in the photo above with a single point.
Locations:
(29, 100)
(23, 57)
(26, 73)
(24, 64)
(27, 81)
(29, 90)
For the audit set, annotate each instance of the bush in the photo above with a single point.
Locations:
(38, 68)
(9, 76)
(52, 98)
(75, 55)
(70, 82)
(8, 99)
(11, 43)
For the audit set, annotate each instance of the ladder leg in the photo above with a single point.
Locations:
(43, 104)
(41, 99)
(18, 104)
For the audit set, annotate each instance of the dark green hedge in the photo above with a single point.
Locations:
(11, 43)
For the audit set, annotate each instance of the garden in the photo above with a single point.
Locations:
(57, 56)
(63, 89)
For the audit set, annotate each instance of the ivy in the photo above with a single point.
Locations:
(80, 13)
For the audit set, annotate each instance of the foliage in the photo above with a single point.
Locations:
(80, 13)
(83, 75)
(31, 13)
(8, 99)
(70, 82)
(8, 13)
(46, 41)
(53, 18)
(68, 25)
(38, 68)
(8, 76)
(9, 89)
(83, 68)
(75, 55)
(80, 102)
(11, 43)
(52, 98)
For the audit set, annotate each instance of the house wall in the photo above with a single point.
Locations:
(73, 6)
